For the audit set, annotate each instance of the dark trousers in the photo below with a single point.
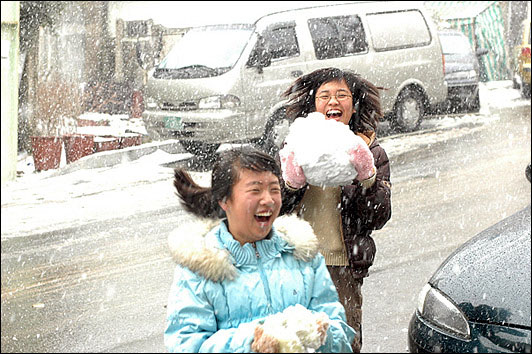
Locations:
(349, 290)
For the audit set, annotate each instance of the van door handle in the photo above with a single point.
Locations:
(296, 73)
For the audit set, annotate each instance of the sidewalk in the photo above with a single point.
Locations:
(109, 184)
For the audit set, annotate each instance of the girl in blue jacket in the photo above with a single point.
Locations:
(235, 275)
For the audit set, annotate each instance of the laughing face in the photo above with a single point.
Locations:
(254, 204)
(334, 100)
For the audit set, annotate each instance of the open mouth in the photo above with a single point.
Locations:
(264, 216)
(334, 114)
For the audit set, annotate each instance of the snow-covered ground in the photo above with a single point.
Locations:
(47, 200)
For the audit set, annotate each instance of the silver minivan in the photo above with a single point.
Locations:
(223, 83)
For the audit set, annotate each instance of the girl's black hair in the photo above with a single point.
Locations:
(366, 98)
(203, 201)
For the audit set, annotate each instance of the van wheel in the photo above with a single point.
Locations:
(408, 111)
(515, 84)
(473, 106)
(275, 133)
(202, 150)
(525, 90)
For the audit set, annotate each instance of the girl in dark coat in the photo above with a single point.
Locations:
(342, 217)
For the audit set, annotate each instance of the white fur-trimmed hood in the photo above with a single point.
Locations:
(190, 248)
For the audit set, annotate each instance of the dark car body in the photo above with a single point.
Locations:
(462, 71)
(479, 298)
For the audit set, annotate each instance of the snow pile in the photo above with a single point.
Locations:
(296, 329)
(320, 147)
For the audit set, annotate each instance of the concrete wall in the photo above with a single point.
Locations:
(10, 57)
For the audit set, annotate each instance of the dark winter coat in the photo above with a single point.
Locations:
(362, 211)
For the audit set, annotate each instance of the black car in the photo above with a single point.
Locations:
(462, 72)
(478, 300)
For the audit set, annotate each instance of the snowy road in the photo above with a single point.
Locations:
(84, 259)
(441, 197)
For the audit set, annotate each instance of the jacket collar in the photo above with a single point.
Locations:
(368, 136)
(207, 248)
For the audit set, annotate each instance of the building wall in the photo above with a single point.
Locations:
(75, 52)
(10, 57)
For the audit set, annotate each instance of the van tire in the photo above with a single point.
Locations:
(197, 148)
(515, 84)
(525, 90)
(275, 133)
(409, 110)
(474, 105)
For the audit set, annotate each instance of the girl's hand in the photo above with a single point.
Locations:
(323, 326)
(264, 343)
(292, 173)
(362, 159)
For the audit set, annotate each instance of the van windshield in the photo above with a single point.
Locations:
(205, 52)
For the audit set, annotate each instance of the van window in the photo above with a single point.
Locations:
(338, 36)
(401, 29)
(281, 42)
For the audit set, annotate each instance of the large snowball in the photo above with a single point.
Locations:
(320, 147)
(296, 329)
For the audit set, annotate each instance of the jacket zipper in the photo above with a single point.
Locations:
(256, 251)
(263, 277)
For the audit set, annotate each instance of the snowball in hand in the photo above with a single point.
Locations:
(296, 329)
(320, 147)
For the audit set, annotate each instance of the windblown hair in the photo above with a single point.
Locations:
(203, 201)
(366, 98)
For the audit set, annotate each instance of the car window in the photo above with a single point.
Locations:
(452, 44)
(281, 42)
(338, 36)
(401, 29)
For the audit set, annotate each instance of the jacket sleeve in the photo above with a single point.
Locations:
(325, 299)
(370, 209)
(191, 323)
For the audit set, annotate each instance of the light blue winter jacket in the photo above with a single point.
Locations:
(221, 290)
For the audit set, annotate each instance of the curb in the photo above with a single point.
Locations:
(113, 157)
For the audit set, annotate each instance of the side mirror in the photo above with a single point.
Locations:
(481, 52)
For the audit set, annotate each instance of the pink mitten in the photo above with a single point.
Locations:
(362, 159)
(292, 173)
(263, 343)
